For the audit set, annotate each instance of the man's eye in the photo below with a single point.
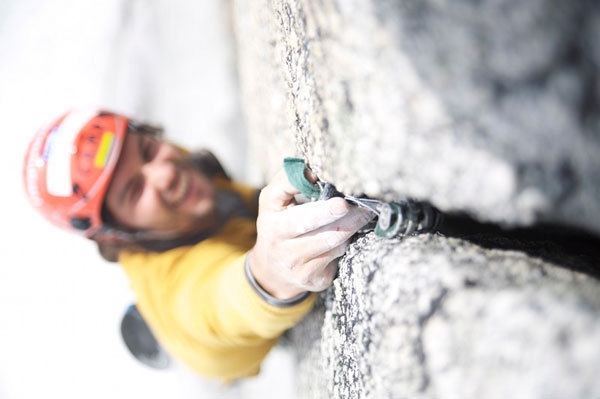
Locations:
(149, 149)
(135, 190)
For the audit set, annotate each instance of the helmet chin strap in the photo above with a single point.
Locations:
(110, 234)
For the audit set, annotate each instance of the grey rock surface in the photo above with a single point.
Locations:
(489, 107)
(440, 317)
(486, 108)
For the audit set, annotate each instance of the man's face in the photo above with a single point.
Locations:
(155, 188)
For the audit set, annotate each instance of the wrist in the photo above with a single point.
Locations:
(282, 300)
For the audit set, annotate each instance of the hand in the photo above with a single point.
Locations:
(298, 245)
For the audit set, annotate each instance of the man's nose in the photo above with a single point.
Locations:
(159, 174)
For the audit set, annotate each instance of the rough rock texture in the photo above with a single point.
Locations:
(487, 108)
(439, 317)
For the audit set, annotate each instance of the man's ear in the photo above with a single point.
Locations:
(208, 164)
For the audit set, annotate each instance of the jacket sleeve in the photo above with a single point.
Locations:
(245, 324)
(202, 309)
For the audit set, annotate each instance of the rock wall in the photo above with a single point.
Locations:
(488, 109)
(439, 317)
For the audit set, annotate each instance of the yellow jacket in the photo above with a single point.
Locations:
(200, 306)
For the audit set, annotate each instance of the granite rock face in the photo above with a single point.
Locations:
(439, 317)
(489, 109)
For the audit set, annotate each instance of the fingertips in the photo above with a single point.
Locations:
(278, 194)
(358, 217)
(319, 273)
(339, 251)
(310, 176)
(337, 207)
(302, 219)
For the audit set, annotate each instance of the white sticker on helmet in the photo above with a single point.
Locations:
(58, 150)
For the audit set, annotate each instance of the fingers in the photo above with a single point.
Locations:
(332, 235)
(297, 245)
(318, 274)
(320, 281)
(286, 266)
(298, 220)
(278, 195)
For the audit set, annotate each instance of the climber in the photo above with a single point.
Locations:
(219, 272)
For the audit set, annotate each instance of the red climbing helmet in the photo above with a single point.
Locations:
(69, 165)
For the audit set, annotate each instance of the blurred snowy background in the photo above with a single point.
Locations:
(170, 62)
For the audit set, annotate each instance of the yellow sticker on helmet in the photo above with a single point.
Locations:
(106, 143)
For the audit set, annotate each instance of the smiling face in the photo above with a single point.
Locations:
(156, 188)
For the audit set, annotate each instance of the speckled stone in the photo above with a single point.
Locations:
(439, 317)
(488, 108)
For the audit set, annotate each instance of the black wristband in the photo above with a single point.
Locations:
(268, 298)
